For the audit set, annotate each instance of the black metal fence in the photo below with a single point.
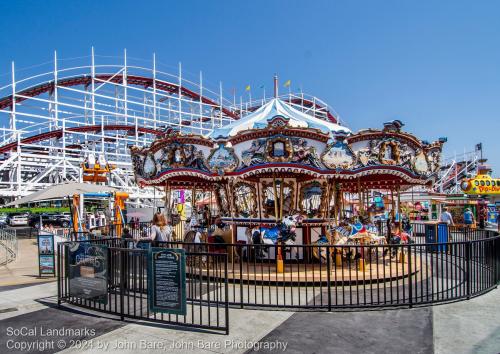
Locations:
(127, 295)
(355, 276)
(324, 277)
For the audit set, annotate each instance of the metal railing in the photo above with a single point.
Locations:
(357, 276)
(128, 287)
(138, 229)
(8, 246)
(352, 275)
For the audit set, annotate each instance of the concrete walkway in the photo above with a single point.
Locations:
(24, 270)
(465, 327)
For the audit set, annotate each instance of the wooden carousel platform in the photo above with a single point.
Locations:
(295, 272)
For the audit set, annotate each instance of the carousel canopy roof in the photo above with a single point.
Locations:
(276, 107)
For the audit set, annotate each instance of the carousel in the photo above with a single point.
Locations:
(279, 176)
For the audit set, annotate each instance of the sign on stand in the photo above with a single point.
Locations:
(88, 271)
(167, 280)
(46, 255)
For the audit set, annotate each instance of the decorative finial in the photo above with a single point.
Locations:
(275, 86)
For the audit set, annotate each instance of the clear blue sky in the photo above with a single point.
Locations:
(433, 64)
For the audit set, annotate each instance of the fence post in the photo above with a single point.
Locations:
(58, 270)
(226, 302)
(241, 272)
(410, 285)
(122, 284)
(328, 283)
(467, 267)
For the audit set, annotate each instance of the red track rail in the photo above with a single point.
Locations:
(131, 79)
(145, 82)
(92, 128)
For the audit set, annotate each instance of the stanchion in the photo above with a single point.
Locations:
(338, 259)
(361, 264)
(402, 256)
(279, 261)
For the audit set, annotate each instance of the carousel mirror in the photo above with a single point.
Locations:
(245, 200)
(271, 198)
(311, 199)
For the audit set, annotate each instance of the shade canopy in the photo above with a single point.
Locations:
(62, 190)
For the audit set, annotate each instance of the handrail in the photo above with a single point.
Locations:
(8, 247)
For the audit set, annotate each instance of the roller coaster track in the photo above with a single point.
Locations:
(85, 129)
(86, 80)
(57, 117)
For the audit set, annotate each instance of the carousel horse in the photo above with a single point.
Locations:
(197, 238)
(320, 252)
(197, 242)
(352, 236)
(284, 232)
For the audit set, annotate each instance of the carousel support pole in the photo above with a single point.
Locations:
(167, 201)
(193, 208)
(336, 205)
(210, 213)
(412, 203)
(333, 212)
(360, 198)
(279, 256)
(259, 202)
(399, 206)
(402, 252)
(361, 202)
(324, 202)
(392, 205)
(341, 213)
(282, 187)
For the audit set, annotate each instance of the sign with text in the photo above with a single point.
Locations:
(46, 255)
(88, 271)
(167, 280)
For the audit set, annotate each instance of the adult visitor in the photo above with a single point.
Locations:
(447, 217)
(405, 224)
(468, 217)
(485, 216)
(161, 231)
(498, 219)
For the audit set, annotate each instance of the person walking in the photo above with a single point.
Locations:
(447, 217)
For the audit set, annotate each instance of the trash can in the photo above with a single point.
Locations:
(442, 236)
(431, 236)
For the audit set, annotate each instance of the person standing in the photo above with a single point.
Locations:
(498, 220)
(447, 217)
(468, 218)
(485, 216)
(160, 230)
(481, 218)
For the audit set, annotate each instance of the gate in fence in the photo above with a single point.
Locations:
(120, 283)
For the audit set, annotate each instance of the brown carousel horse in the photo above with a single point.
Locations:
(354, 235)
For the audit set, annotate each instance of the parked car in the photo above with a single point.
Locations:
(3, 219)
(18, 220)
(57, 220)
